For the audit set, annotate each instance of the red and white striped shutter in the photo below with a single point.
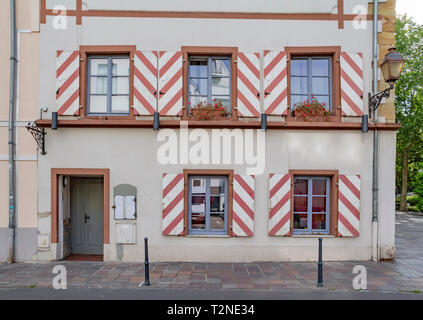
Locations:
(352, 84)
(275, 83)
(248, 94)
(170, 83)
(280, 205)
(67, 82)
(243, 206)
(173, 204)
(349, 206)
(145, 82)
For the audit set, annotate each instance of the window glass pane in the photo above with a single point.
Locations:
(98, 85)
(220, 67)
(98, 104)
(198, 204)
(120, 85)
(198, 186)
(318, 221)
(198, 220)
(299, 85)
(195, 100)
(120, 104)
(226, 102)
(198, 68)
(300, 204)
(217, 204)
(320, 86)
(319, 187)
(217, 186)
(299, 67)
(319, 204)
(217, 221)
(297, 99)
(320, 67)
(300, 186)
(198, 87)
(300, 221)
(99, 67)
(323, 99)
(220, 86)
(120, 67)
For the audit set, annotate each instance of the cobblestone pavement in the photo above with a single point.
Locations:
(405, 274)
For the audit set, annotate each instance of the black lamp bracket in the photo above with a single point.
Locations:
(374, 101)
(39, 135)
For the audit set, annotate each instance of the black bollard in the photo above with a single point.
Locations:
(320, 266)
(147, 269)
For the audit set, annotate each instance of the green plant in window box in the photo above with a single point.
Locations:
(311, 110)
(208, 111)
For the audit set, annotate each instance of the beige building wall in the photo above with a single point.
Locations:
(27, 109)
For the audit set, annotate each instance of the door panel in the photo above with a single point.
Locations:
(87, 215)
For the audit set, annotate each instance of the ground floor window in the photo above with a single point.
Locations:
(207, 206)
(311, 205)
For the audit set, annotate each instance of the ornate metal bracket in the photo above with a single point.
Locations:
(39, 135)
(374, 101)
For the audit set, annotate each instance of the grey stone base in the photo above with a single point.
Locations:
(25, 244)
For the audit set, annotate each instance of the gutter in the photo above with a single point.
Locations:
(375, 188)
(12, 146)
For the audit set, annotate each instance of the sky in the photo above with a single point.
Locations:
(413, 8)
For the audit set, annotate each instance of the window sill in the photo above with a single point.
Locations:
(208, 236)
(313, 236)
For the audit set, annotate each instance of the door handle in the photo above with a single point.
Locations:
(86, 217)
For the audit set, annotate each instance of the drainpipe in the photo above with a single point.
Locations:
(375, 189)
(12, 107)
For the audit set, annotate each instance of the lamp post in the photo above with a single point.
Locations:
(391, 69)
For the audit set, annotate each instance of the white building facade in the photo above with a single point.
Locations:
(220, 189)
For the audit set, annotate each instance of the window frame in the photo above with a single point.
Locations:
(310, 77)
(310, 212)
(109, 77)
(108, 50)
(209, 78)
(209, 51)
(334, 52)
(207, 231)
(333, 203)
(209, 173)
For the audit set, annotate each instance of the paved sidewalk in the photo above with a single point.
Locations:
(403, 275)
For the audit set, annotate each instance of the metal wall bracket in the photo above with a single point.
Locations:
(39, 135)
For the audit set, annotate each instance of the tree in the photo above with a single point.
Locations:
(409, 103)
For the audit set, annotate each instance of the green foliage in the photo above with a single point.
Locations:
(413, 200)
(409, 98)
(418, 189)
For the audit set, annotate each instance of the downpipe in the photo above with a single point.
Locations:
(375, 187)
(12, 147)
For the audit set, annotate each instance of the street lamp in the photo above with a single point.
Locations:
(391, 69)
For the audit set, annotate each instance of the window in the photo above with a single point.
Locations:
(108, 85)
(208, 212)
(311, 77)
(209, 80)
(311, 205)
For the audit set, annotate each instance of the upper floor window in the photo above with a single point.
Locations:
(209, 81)
(311, 77)
(108, 85)
(311, 205)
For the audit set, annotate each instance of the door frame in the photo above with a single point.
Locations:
(55, 173)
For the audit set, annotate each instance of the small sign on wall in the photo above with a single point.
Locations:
(125, 202)
(125, 233)
(43, 241)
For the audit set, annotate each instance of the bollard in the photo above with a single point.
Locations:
(320, 266)
(147, 269)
